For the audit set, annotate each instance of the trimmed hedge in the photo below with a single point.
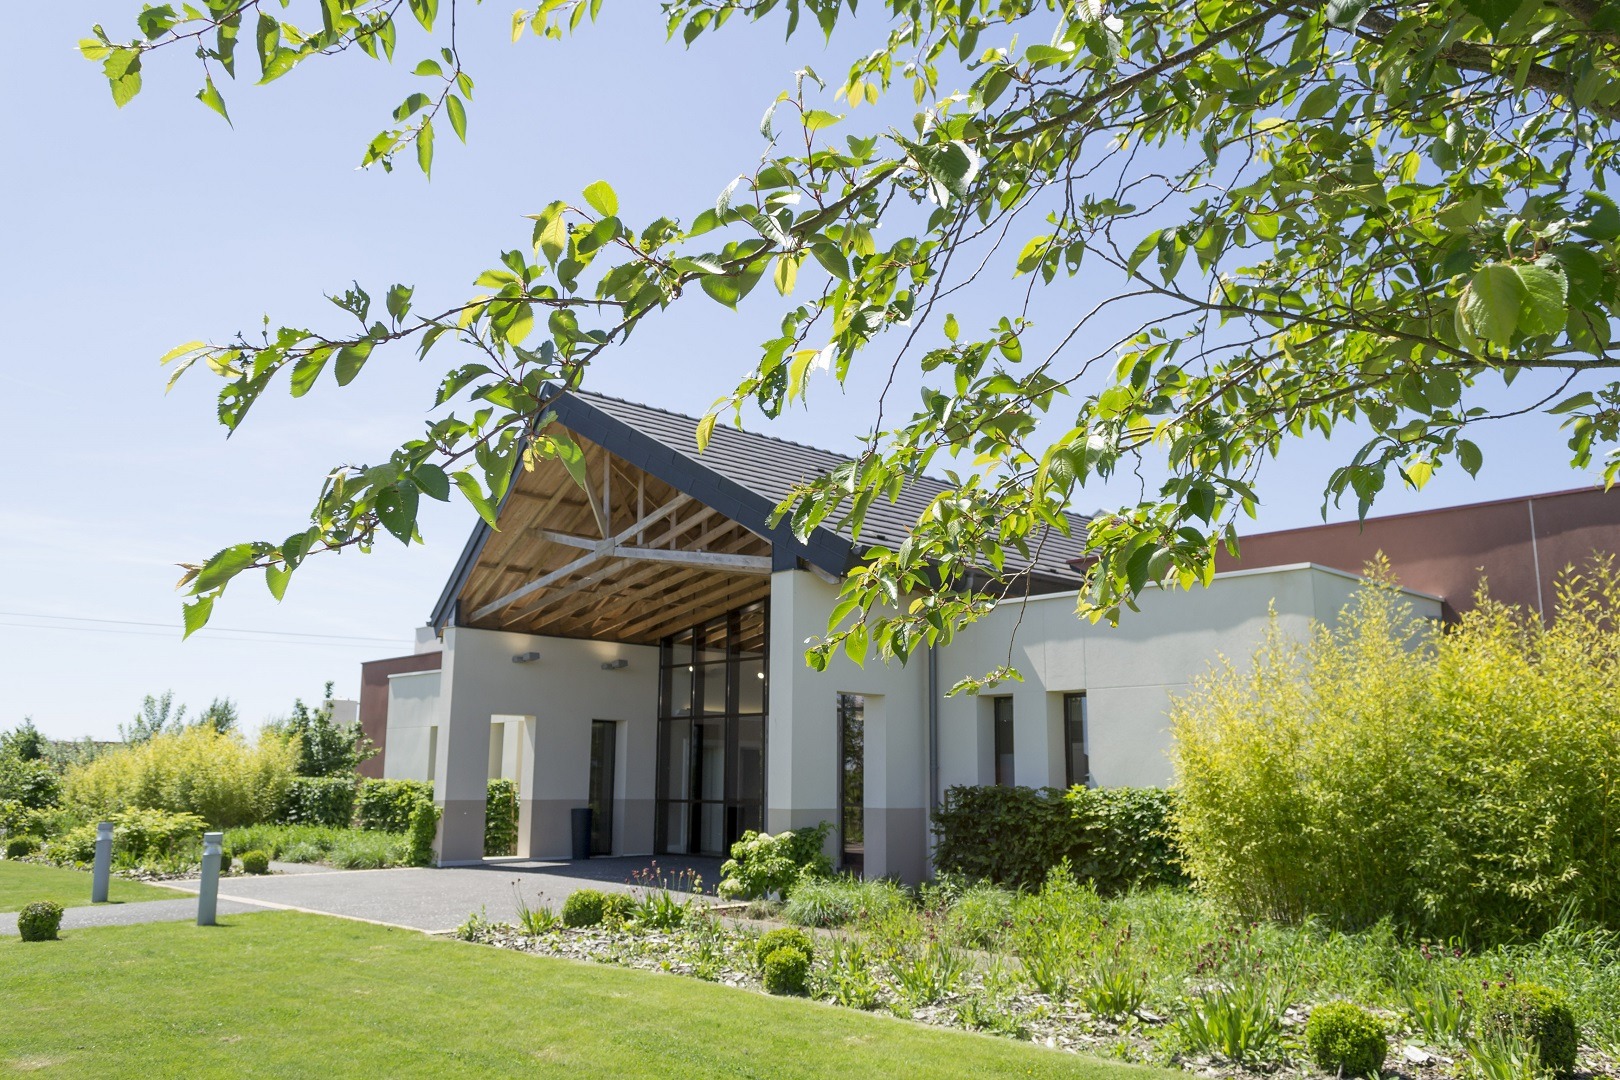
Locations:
(319, 800)
(1346, 1040)
(386, 805)
(39, 921)
(1115, 837)
(1540, 1015)
(501, 818)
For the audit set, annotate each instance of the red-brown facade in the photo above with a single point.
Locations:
(1517, 546)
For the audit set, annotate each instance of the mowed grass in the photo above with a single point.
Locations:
(24, 883)
(289, 994)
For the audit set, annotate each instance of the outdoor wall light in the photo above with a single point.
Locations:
(525, 658)
(615, 665)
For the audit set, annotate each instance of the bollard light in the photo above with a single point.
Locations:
(208, 887)
(101, 872)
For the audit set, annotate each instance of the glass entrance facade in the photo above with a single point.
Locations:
(711, 733)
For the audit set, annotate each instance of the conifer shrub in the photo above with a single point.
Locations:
(255, 862)
(1346, 1040)
(1539, 1015)
(786, 971)
(39, 921)
(584, 907)
(785, 937)
(1457, 783)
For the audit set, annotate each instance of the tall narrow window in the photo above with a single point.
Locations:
(1077, 767)
(852, 782)
(1003, 724)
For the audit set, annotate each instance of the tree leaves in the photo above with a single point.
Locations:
(602, 199)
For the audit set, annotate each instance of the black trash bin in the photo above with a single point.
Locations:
(582, 831)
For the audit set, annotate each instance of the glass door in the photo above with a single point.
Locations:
(603, 746)
(852, 782)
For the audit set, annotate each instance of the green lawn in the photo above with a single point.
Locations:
(288, 994)
(22, 883)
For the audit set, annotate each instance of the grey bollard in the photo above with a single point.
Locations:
(208, 887)
(101, 873)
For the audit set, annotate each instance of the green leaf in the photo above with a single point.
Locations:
(307, 370)
(196, 614)
(787, 273)
(602, 199)
(276, 578)
(1493, 301)
(432, 480)
(832, 260)
(396, 509)
(399, 301)
(1469, 457)
(458, 116)
(952, 166)
(424, 149)
(705, 431)
(1345, 14)
(1545, 293)
(551, 233)
(468, 484)
(573, 459)
(225, 565)
(209, 96)
(350, 359)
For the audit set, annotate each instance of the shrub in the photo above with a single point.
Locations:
(762, 864)
(1346, 1039)
(783, 937)
(839, 901)
(139, 836)
(386, 805)
(584, 907)
(31, 782)
(423, 831)
(618, 908)
(353, 849)
(16, 818)
(980, 915)
(39, 921)
(218, 777)
(786, 971)
(224, 862)
(1539, 1015)
(255, 862)
(1459, 783)
(319, 800)
(18, 847)
(1117, 837)
(501, 818)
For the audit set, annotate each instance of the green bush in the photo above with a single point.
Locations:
(1537, 1014)
(354, 849)
(786, 971)
(762, 864)
(319, 800)
(15, 818)
(584, 907)
(501, 818)
(39, 921)
(219, 777)
(32, 783)
(255, 862)
(139, 836)
(1117, 837)
(785, 937)
(618, 908)
(1346, 1039)
(1460, 784)
(18, 847)
(386, 805)
(423, 831)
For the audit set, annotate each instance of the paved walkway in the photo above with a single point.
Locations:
(430, 900)
(437, 900)
(182, 909)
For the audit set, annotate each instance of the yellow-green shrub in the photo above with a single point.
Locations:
(1463, 783)
(218, 777)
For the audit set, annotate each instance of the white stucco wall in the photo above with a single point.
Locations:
(413, 725)
(545, 709)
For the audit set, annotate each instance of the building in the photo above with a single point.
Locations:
(635, 646)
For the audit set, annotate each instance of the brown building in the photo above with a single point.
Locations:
(1518, 546)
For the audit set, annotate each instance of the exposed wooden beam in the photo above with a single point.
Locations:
(709, 560)
(580, 563)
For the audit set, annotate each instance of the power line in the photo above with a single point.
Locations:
(358, 644)
(219, 629)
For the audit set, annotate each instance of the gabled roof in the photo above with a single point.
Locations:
(744, 475)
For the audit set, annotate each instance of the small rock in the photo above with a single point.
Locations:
(1417, 1055)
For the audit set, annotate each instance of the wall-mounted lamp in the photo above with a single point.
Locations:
(525, 658)
(615, 665)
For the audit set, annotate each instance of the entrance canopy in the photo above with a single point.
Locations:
(662, 537)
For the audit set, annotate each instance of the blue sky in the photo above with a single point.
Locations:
(127, 232)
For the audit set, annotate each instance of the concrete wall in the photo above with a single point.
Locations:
(412, 713)
(802, 738)
(1129, 673)
(374, 714)
(544, 711)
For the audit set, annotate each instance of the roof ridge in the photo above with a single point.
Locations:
(686, 416)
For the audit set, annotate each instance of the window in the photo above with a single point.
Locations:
(711, 733)
(1002, 723)
(1076, 765)
(852, 782)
